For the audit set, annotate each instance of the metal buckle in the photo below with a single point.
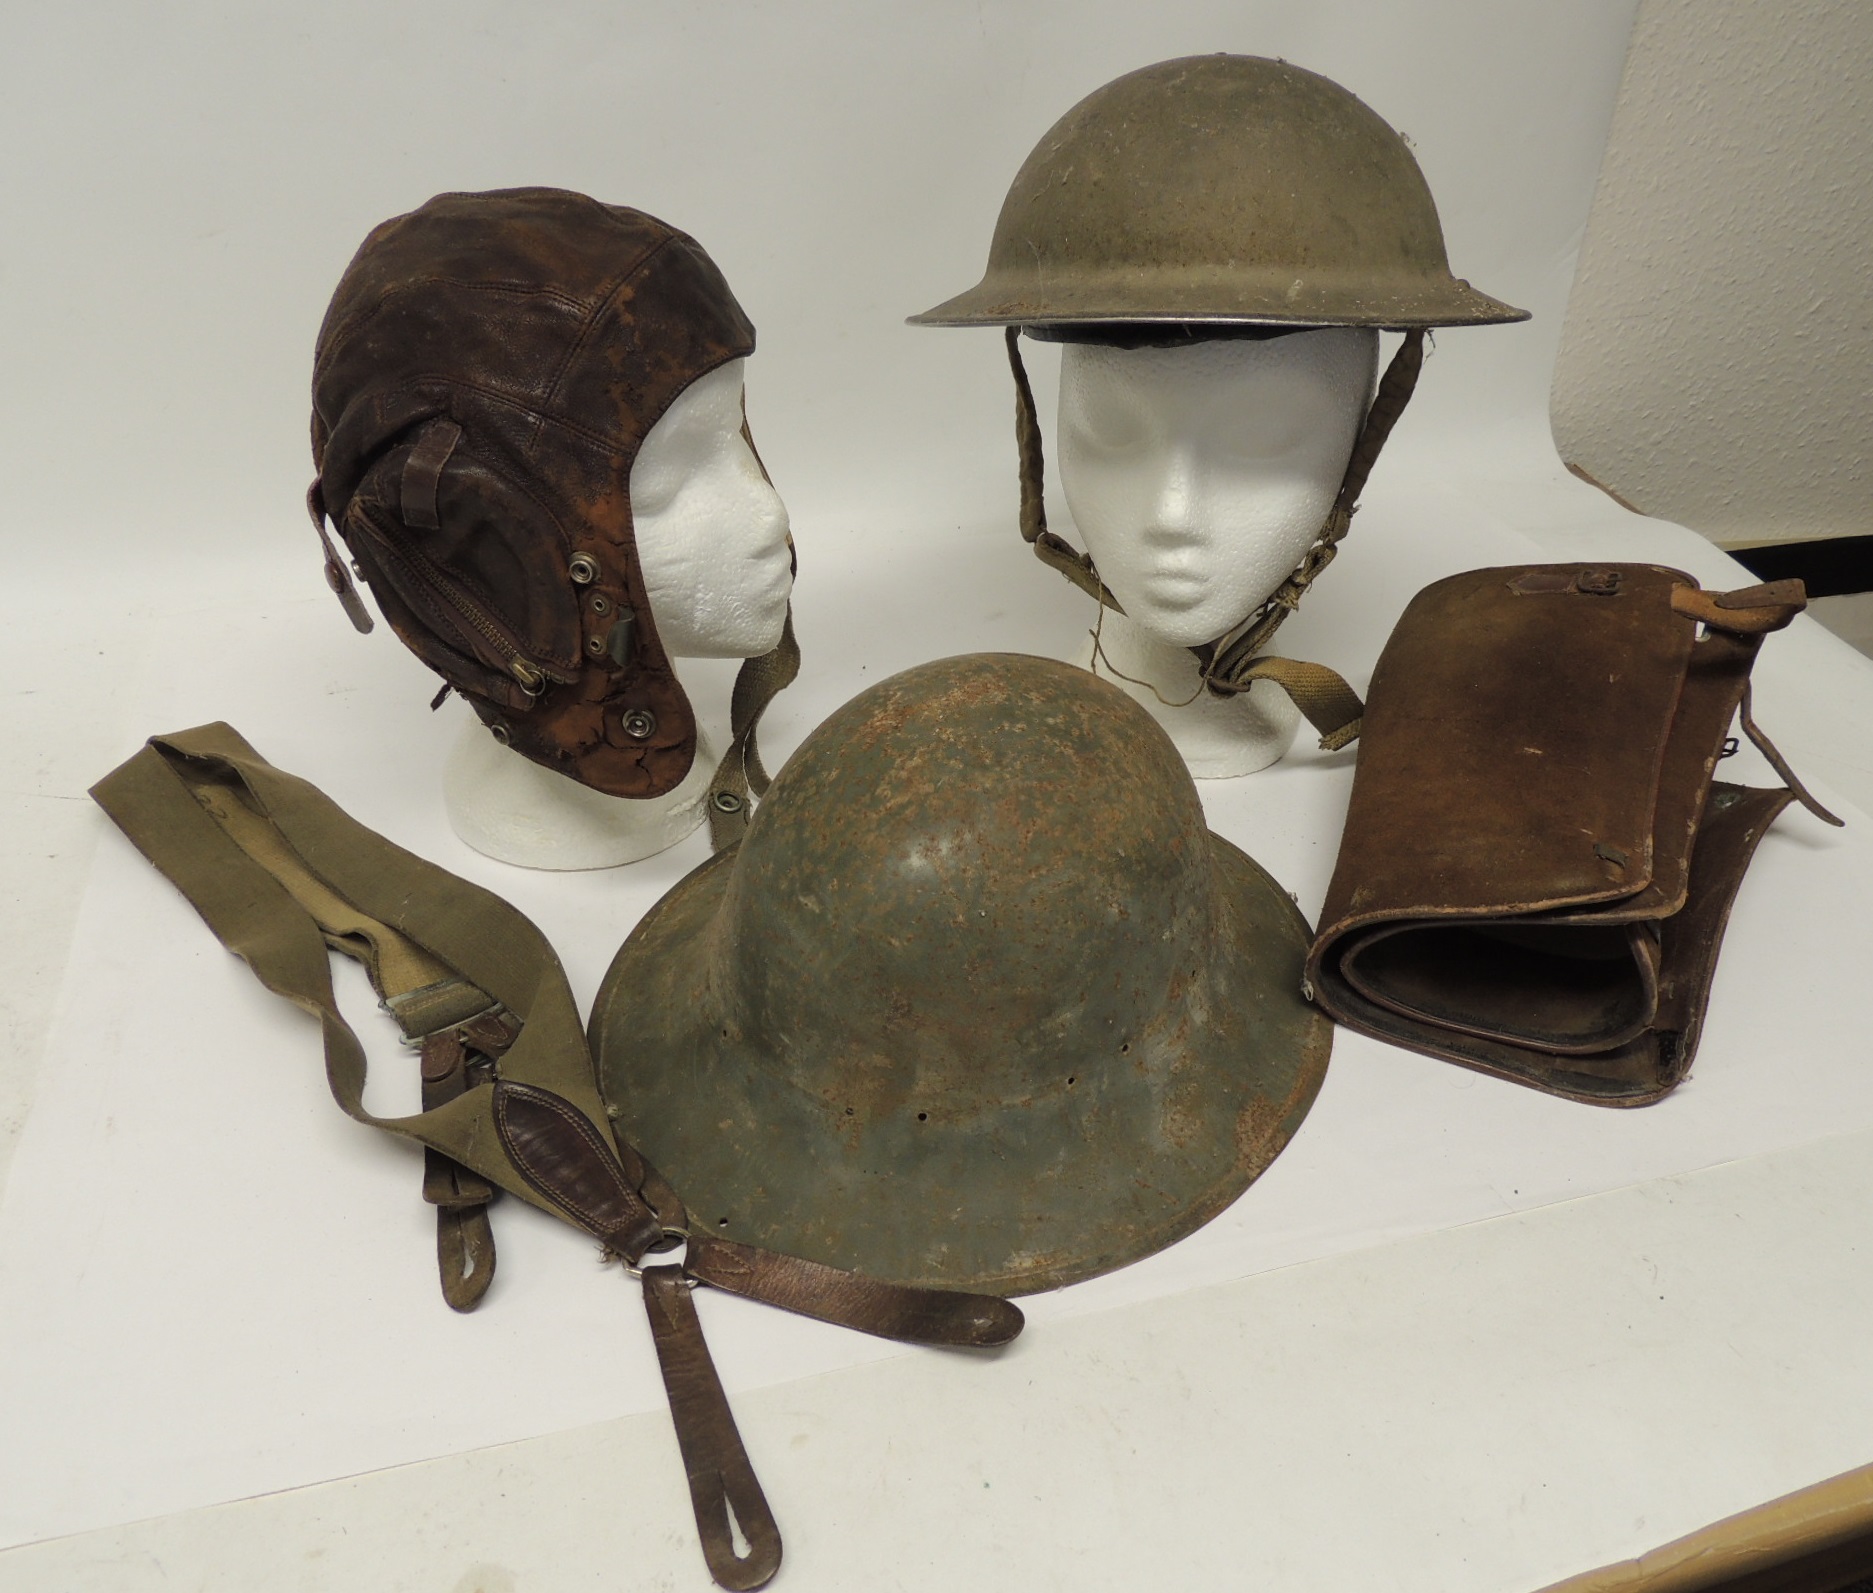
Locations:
(668, 1241)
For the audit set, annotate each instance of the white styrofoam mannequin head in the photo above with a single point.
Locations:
(1199, 474)
(712, 544)
(711, 530)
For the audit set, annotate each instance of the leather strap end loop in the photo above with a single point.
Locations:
(847, 1299)
(464, 1254)
(721, 1477)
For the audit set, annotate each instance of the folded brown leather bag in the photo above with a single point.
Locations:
(1538, 866)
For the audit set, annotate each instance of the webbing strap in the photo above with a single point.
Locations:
(739, 777)
(1332, 707)
(281, 874)
(1054, 551)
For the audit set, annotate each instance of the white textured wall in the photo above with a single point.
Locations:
(1714, 367)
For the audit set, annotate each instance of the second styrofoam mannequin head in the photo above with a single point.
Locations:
(713, 545)
(1199, 474)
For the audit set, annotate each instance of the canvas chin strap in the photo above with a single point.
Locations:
(1233, 663)
(740, 780)
(283, 877)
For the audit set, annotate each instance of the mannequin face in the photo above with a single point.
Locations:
(711, 530)
(1199, 475)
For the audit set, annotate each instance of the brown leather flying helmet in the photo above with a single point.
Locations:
(486, 373)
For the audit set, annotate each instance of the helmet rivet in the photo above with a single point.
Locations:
(600, 603)
(639, 723)
(500, 734)
(727, 802)
(583, 569)
(595, 645)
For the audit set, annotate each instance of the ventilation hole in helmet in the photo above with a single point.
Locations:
(721, 1222)
(725, 1034)
(1125, 1049)
(1071, 1079)
(851, 1111)
(923, 1117)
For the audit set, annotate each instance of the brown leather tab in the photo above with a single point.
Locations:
(422, 475)
(464, 1254)
(337, 577)
(720, 1476)
(1768, 594)
(563, 1156)
(888, 1310)
(1748, 612)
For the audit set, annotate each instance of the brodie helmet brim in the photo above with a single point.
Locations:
(1227, 189)
(966, 1173)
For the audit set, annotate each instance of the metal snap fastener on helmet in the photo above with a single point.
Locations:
(583, 569)
(501, 734)
(639, 723)
(727, 802)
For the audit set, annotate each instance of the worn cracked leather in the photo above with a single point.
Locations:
(1538, 863)
(486, 372)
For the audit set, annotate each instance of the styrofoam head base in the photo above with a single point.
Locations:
(514, 810)
(1219, 738)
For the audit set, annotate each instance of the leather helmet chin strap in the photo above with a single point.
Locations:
(1234, 662)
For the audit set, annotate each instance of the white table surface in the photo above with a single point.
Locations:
(1459, 1337)
(1425, 1350)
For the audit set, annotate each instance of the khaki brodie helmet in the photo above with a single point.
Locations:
(1218, 196)
(488, 368)
(978, 1002)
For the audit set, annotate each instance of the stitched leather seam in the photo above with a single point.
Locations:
(344, 334)
(578, 344)
(534, 1176)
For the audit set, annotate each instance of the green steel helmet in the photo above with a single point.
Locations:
(1220, 189)
(1221, 196)
(978, 1002)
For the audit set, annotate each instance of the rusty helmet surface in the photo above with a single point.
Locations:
(978, 1001)
(488, 368)
(1220, 189)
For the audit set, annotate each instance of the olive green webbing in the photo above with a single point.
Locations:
(1233, 664)
(279, 873)
(282, 876)
(1054, 551)
(739, 777)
